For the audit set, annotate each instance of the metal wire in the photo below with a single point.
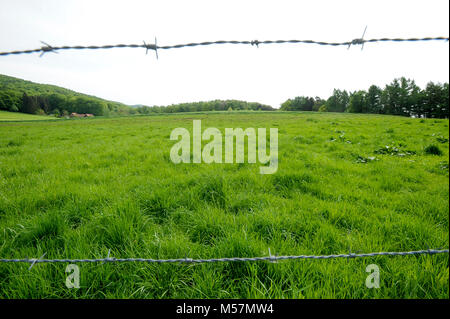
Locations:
(270, 258)
(155, 47)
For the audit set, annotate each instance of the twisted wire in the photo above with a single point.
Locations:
(155, 47)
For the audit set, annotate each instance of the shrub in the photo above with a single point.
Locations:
(433, 150)
(323, 108)
(13, 108)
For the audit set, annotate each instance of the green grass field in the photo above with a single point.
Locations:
(77, 188)
(16, 116)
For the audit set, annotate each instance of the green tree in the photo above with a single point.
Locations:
(318, 102)
(401, 97)
(435, 100)
(286, 105)
(390, 98)
(10, 101)
(323, 108)
(83, 104)
(338, 101)
(373, 100)
(357, 102)
(444, 107)
(43, 104)
(29, 104)
(299, 103)
(56, 101)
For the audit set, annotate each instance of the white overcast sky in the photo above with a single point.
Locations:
(269, 74)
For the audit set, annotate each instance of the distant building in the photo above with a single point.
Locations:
(81, 115)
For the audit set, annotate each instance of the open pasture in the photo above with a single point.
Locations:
(365, 183)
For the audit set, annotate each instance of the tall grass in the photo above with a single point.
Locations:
(75, 189)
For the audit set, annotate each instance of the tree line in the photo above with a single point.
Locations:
(17, 95)
(60, 105)
(400, 97)
(54, 104)
(215, 105)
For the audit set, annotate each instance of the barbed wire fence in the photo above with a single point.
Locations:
(271, 258)
(154, 46)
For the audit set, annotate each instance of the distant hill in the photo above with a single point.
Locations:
(17, 95)
(32, 88)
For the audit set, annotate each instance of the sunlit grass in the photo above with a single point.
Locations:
(16, 116)
(365, 183)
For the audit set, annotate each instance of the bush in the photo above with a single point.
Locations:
(55, 113)
(13, 108)
(323, 108)
(433, 150)
(39, 112)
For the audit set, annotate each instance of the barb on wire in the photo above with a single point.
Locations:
(46, 48)
(358, 41)
(156, 47)
(270, 258)
(273, 259)
(151, 47)
(107, 257)
(33, 261)
(255, 42)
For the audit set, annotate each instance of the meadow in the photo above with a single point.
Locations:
(16, 116)
(345, 182)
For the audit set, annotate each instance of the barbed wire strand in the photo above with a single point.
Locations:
(359, 41)
(156, 47)
(271, 258)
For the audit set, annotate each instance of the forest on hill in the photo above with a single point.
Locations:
(401, 97)
(17, 95)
